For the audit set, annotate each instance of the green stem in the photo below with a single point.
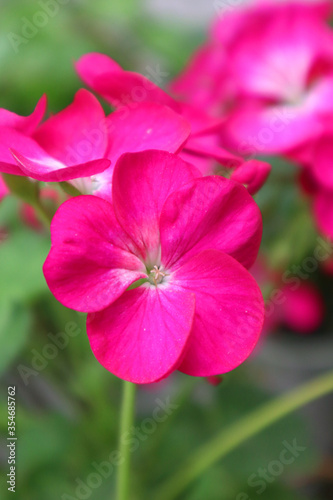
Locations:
(235, 434)
(42, 213)
(126, 422)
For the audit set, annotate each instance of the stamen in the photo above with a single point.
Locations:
(158, 275)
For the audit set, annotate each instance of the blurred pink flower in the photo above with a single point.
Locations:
(303, 308)
(127, 89)
(298, 305)
(316, 177)
(190, 240)
(274, 81)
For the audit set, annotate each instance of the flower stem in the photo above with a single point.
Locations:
(235, 434)
(126, 422)
(43, 214)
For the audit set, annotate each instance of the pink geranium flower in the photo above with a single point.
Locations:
(276, 74)
(303, 308)
(22, 153)
(79, 143)
(127, 89)
(183, 243)
(316, 177)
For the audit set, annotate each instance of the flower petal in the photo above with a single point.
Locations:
(254, 129)
(211, 212)
(322, 166)
(147, 126)
(323, 210)
(253, 174)
(119, 87)
(93, 65)
(206, 147)
(141, 184)
(142, 336)
(78, 133)
(24, 124)
(91, 261)
(29, 159)
(48, 170)
(229, 313)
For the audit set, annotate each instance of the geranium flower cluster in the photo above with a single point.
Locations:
(267, 70)
(157, 239)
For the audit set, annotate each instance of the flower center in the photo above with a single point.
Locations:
(156, 276)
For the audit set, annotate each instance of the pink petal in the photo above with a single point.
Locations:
(253, 174)
(206, 166)
(206, 147)
(322, 164)
(273, 54)
(141, 184)
(323, 210)
(142, 336)
(91, 261)
(24, 124)
(202, 123)
(3, 189)
(47, 170)
(212, 212)
(202, 80)
(78, 133)
(147, 126)
(119, 87)
(229, 313)
(29, 159)
(254, 129)
(93, 65)
(303, 308)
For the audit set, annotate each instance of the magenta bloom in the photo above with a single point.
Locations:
(317, 175)
(22, 150)
(79, 143)
(188, 239)
(127, 89)
(303, 309)
(274, 79)
(322, 171)
(252, 174)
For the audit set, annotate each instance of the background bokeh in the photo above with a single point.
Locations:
(67, 404)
